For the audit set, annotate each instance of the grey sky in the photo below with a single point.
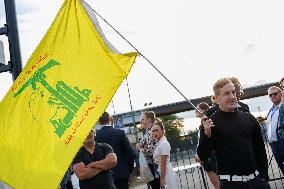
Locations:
(192, 42)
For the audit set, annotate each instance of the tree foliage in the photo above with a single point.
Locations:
(173, 125)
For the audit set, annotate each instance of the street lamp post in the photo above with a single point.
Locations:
(11, 30)
(132, 113)
(147, 105)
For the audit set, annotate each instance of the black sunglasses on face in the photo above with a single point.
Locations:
(273, 94)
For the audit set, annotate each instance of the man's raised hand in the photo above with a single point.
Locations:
(207, 124)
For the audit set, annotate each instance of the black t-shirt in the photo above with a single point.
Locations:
(237, 142)
(103, 180)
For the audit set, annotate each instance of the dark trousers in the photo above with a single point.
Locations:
(278, 152)
(254, 184)
(121, 183)
(69, 185)
(155, 184)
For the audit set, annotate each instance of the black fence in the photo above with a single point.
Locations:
(192, 176)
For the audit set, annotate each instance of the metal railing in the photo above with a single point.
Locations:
(192, 176)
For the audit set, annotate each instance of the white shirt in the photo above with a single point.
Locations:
(108, 125)
(163, 148)
(272, 120)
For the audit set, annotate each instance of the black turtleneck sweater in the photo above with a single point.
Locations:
(237, 142)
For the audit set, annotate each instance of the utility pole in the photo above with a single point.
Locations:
(10, 29)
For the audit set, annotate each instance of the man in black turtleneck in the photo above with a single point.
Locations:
(235, 137)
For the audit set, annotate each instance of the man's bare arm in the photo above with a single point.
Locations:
(163, 170)
(109, 162)
(83, 172)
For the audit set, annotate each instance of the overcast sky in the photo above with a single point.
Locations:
(192, 42)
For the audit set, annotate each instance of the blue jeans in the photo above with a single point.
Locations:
(278, 152)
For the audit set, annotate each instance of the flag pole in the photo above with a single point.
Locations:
(141, 54)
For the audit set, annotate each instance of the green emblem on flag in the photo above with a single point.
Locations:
(62, 97)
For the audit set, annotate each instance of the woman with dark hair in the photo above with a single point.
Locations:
(162, 157)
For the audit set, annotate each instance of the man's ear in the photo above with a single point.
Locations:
(216, 98)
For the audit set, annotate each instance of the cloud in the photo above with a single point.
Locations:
(250, 48)
(22, 7)
(26, 6)
(2, 12)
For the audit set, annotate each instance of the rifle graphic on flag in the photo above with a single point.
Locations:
(66, 85)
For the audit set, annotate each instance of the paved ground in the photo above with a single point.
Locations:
(274, 185)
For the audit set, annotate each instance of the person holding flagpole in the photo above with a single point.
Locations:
(236, 138)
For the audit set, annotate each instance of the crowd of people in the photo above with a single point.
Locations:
(231, 148)
(156, 150)
(106, 159)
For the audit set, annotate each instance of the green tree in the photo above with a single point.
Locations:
(173, 125)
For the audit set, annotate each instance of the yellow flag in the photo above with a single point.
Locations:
(66, 85)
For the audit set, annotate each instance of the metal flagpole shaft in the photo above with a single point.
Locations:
(148, 62)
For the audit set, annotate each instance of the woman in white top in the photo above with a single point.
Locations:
(162, 157)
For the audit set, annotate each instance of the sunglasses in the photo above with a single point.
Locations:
(273, 94)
